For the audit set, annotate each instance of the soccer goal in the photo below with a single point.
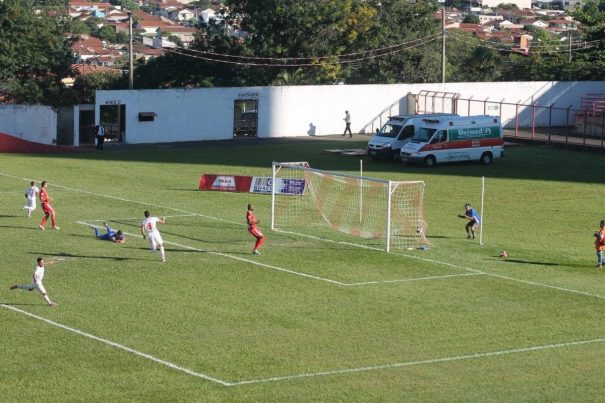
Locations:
(375, 213)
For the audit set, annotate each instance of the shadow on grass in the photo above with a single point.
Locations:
(530, 262)
(72, 255)
(536, 162)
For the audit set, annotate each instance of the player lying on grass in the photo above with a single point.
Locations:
(37, 281)
(111, 235)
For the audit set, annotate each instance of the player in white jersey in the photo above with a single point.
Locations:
(37, 282)
(149, 230)
(30, 195)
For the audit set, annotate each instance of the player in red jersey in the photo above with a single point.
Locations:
(253, 229)
(46, 201)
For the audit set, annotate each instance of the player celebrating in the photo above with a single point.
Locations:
(253, 229)
(46, 201)
(37, 283)
(111, 235)
(149, 227)
(473, 220)
(30, 196)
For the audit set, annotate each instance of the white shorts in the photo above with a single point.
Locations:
(31, 204)
(155, 239)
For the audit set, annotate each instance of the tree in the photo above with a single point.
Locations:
(472, 19)
(85, 86)
(35, 54)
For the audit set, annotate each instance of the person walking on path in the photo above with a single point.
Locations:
(347, 120)
(37, 281)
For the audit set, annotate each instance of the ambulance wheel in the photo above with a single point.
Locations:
(486, 158)
(429, 161)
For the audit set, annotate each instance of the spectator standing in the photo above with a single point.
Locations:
(347, 120)
(100, 135)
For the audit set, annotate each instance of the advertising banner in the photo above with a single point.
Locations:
(284, 186)
(256, 184)
(225, 183)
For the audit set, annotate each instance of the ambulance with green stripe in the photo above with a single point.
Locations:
(451, 139)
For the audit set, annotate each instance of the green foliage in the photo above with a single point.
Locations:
(508, 6)
(107, 33)
(34, 54)
(85, 85)
(472, 19)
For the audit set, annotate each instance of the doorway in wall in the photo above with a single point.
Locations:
(113, 118)
(245, 118)
(87, 125)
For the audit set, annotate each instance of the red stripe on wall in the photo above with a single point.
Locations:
(12, 144)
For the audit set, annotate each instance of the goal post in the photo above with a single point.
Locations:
(375, 213)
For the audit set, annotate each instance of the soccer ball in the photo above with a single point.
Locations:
(503, 254)
(419, 230)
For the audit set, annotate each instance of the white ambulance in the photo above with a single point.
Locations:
(450, 139)
(398, 130)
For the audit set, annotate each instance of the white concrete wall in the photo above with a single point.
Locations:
(207, 113)
(29, 122)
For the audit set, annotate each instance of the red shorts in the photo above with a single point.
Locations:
(256, 232)
(47, 208)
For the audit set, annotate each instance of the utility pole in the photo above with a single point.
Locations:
(130, 54)
(569, 40)
(443, 43)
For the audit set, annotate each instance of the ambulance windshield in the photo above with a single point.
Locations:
(423, 135)
(389, 130)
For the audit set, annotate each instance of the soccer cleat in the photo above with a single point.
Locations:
(41, 227)
(53, 304)
(55, 227)
(163, 260)
(14, 287)
(256, 252)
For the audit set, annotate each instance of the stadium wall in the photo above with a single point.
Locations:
(33, 123)
(208, 113)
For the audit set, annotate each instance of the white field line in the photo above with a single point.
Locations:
(119, 346)
(289, 271)
(138, 218)
(438, 262)
(422, 362)
(126, 200)
(352, 244)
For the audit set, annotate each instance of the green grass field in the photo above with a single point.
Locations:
(308, 320)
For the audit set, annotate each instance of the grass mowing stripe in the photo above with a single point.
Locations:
(118, 346)
(319, 278)
(300, 273)
(422, 362)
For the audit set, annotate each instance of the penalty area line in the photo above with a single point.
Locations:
(119, 346)
(421, 362)
(297, 273)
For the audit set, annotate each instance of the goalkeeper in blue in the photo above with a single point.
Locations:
(111, 235)
(473, 220)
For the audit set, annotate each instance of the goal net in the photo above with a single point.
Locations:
(371, 212)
